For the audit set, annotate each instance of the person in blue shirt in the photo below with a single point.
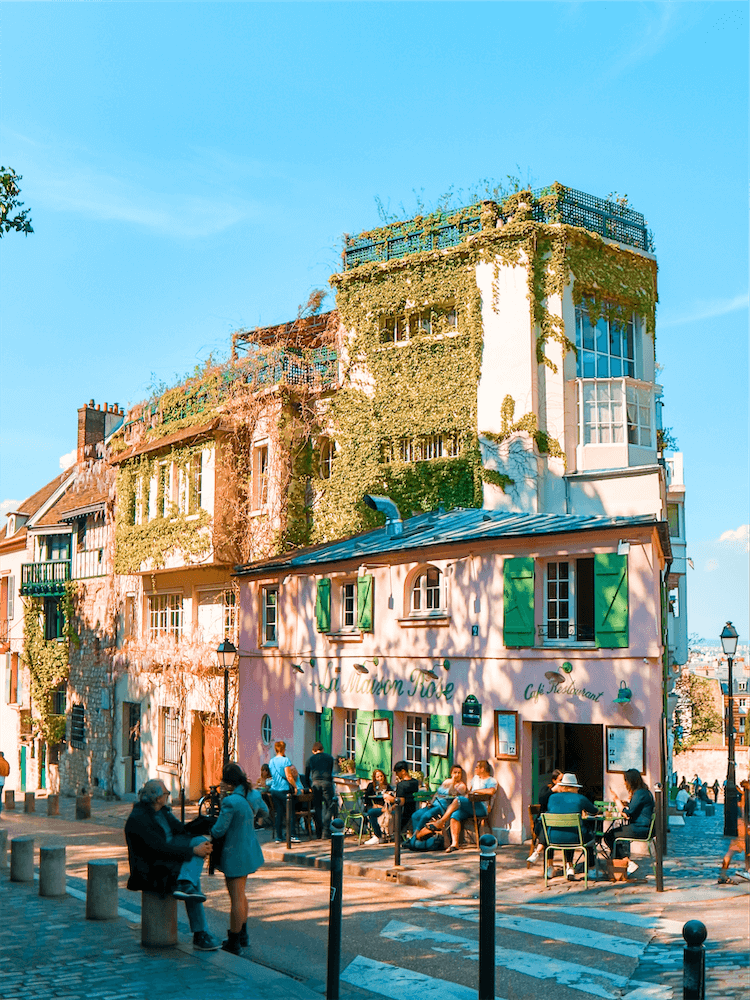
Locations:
(283, 780)
(567, 798)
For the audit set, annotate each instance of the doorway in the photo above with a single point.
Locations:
(212, 750)
(569, 747)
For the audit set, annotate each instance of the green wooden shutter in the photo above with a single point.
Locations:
(364, 603)
(611, 600)
(323, 606)
(326, 728)
(440, 767)
(518, 602)
(372, 753)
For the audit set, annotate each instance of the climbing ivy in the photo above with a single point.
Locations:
(48, 661)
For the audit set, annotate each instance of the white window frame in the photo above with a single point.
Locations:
(261, 465)
(554, 586)
(269, 616)
(328, 451)
(169, 742)
(165, 616)
(230, 614)
(638, 411)
(350, 732)
(417, 743)
(422, 595)
(349, 606)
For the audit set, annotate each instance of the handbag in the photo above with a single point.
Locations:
(216, 852)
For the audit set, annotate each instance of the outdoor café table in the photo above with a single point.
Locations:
(604, 823)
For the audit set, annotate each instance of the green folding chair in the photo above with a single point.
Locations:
(351, 812)
(551, 823)
(648, 840)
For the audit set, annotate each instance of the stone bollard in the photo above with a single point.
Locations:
(53, 805)
(22, 859)
(52, 870)
(158, 920)
(83, 805)
(10, 799)
(29, 802)
(101, 890)
(3, 850)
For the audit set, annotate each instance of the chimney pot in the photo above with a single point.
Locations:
(91, 402)
(97, 406)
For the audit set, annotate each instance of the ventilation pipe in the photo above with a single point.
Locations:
(393, 523)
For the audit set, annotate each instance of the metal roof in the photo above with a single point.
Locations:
(455, 526)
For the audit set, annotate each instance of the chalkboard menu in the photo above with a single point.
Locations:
(626, 748)
(471, 712)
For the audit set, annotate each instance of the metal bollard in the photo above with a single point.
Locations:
(10, 799)
(52, 870)
(53, 805)
(29, 802)
(22, 859)
(487, 882)
(101, 890)
(3, 849)
(334, 910)
(397, 834)
(289, 820)
(659, 830)
(182, 805)
(694, 961)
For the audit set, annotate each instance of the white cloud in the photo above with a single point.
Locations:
(711, 565)
(739, 537)
(703, 310)
(67, 460)
(7, 506)
(652, 33)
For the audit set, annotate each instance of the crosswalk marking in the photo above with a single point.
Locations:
(613, 916)
(402, 984)
(610, 943)
(596, 982)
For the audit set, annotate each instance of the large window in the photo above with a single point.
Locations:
(421, 448)
(170, 736)
(639, 416)
(417, 748)
(569, 600)
(165, 615)
(350, 732)
(52, 548)
(427, 592)
(270, 598)
(614, 411)
(259, 491)
(217, 615)
(606, 349)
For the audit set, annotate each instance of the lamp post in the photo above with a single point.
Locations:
(729, 645)
(226, 654)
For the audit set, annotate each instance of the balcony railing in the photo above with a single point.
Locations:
(45, 579)
(566, 630)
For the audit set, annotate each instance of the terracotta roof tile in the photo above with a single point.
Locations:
(87, 494)
(32, 504)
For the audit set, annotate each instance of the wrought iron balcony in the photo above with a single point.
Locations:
(45, 579)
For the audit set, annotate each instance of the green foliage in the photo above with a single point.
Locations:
(666, 440)
(497, 478)
(48, 661)
(696, 716)
(546, 445)
(19, 222)
(153, 540)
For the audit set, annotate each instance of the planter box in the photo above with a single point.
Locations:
(618, 869)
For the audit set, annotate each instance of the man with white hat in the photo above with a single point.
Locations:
(567, 798)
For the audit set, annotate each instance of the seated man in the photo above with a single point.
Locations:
(567, 799)
(681, 799)
(483, 787)
(166, 859)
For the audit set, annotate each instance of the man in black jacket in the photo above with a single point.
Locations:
(319, 776)
(166, 858)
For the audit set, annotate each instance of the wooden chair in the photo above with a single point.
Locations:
(551, 823)
(480, 821)
(303, 810)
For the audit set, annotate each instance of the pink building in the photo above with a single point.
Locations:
(532, 640)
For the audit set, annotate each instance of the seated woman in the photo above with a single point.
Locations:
(544, 795)
(566, 798)
(483, 787)
(375, 789)
(448, 790)
(638, 813)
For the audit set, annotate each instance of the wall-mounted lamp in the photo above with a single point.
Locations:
(567, 667)
(446, 664)
(554, 676)
(428, 672)
(361, 668)
(623, 547)
(298, 668)
(624, 695)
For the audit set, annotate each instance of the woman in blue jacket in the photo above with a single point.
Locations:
(241, 854)
(638, 813)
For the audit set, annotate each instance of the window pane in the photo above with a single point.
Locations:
(589, 365)
(602, 366)
(615, 340)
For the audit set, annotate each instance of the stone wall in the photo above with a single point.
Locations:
(710, 763)
(90, 684)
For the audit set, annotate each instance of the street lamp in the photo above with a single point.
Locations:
(226, 654)
(729, 645)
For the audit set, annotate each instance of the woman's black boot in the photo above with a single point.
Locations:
(244, 939)
(232, 944)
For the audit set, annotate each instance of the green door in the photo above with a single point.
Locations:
(23, 769)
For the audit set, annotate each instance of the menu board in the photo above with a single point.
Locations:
(506, 735)
(626, 748)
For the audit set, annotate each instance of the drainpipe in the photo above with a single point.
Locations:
(393, 523)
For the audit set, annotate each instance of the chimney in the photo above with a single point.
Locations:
(91, 424)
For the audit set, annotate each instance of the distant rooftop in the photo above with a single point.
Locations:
(439, 230)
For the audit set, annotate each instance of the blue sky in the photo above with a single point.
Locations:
(192, 167)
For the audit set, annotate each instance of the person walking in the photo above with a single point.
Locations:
(282, 784)
(319, 775)
(715, 789)
(4, 772)
(241, 854)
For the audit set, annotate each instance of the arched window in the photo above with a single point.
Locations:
(328, 451)
(427, 592)
(266, 729)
